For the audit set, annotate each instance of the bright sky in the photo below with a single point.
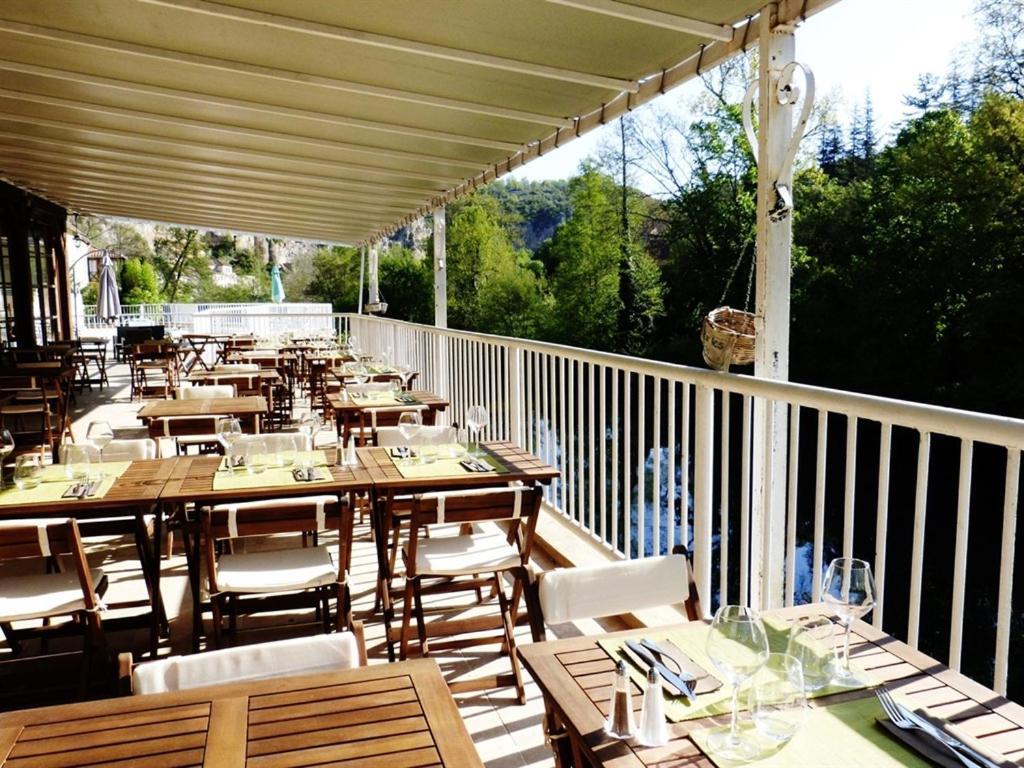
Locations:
(856, 46)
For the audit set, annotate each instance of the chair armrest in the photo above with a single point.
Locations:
(358, 631)
(124, 674)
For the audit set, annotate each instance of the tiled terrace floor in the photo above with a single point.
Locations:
(506, 734)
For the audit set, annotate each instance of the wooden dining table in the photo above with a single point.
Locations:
(347, 410)
(248, 409)
(135, 492)
(399, 715)
(575, 678)
(191, 481)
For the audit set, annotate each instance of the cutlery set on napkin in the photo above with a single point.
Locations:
(472, 465)
(305, 474)
(680, 676)
(82, 490)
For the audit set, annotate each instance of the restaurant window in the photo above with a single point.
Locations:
(44, 291)
(6, 293)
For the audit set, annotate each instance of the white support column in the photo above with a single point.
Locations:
(440, 269)
(374, 297)
(362, 275)
(777, 48)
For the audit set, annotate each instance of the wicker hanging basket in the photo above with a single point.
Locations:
(728, 338)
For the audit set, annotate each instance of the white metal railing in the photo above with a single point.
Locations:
(651, 455)
(195, 318)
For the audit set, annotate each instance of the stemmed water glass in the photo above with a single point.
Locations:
(405, 371)
(409, 424)
(229, 429)
(849, 588)
(476, 419)
(99, 434)
(311, 425)
(738, 647)
(6, 449)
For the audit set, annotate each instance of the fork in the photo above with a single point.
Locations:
(901, 721)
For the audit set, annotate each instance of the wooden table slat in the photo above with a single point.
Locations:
(336, 753)
(396, 704)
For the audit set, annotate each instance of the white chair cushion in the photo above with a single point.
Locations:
(300, 655)
(206, 392)
(391, 436)
(276, 571)
(124, 450)
(237, 368)
(593, 591)
(44, 594)
(462, 555)
(365, 389)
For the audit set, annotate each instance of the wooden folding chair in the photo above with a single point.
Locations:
(470, 561)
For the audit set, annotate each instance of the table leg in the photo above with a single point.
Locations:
(156, 597)
(190, 537)
(380, 538)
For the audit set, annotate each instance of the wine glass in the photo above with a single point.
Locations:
(6, 449)
(310, 425)
(360, 374)
(409, 424)
(738, 646)
(405, 371)
(778, 701)
(229, 429)
(849, 588)
(476, 419)
(99, 434)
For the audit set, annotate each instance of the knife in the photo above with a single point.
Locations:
(946, 738)
(659, 653)
(673, 679)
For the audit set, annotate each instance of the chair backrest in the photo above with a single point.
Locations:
(388, 416)
(136, 449)
(519, 506)
(51, 537)
(612, 589)
(277, 442)
(298, 514)
(205, 392)
(233, 368)
(171, 426)
(387, 437)
(365, 389)
(243, 385)
(295, 656)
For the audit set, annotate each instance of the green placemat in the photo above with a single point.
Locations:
(692, 640)
(54, 484)
(240, 479)
(446, 463)
(313, 458)
(842, 735)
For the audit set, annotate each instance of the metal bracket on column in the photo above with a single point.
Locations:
(787, 93)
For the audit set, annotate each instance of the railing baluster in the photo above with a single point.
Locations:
(963, 518)
(684, 461)
(745, 470)
(917, 548)
(591, 443)
(791, 502)
(703, 478)
(641, 467)
(569, 448)
(882, 522)
(819, 504)
(723, 505)
(656, 471)
(627, 485)
(581, 461)
(1004, 617)
(849, 494)
(670, 505)
(563, 459)
(614, 510)
(602, 425)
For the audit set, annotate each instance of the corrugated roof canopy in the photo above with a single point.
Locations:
(324, 120)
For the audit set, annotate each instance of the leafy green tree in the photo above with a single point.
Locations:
(336, 278)
(139, 283)
(407, 284)
(182, 260)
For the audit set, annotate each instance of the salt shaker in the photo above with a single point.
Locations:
(351, 460)
(620, 722)
(653, 729)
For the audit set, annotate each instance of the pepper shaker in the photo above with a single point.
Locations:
(620, 723)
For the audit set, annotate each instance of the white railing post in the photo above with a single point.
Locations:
(774, 244)
(703, 478)
(516, 389)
